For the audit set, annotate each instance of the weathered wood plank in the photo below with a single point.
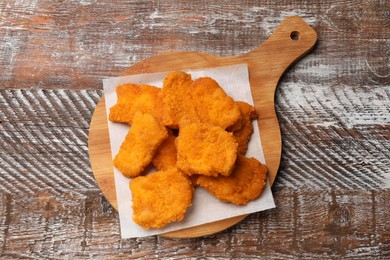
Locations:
(38, 225)
(4, 216)
(312, 225)
(334, 137)
(75, 44)
(43, 141)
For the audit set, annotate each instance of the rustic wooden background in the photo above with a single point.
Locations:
(333, 188)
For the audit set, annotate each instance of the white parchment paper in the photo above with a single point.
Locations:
(206, 208)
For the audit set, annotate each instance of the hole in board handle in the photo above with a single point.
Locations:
(294, 35)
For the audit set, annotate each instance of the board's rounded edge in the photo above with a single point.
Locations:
(203, 230)
(98, 127)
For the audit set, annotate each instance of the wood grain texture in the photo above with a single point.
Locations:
(332, 190)
(59, 43)
(44, 141)
(308, 225)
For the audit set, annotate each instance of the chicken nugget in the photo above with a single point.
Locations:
(160, 198)
(212, 104)
(238, 125)
(133, 98)
(245, 111)
(165, 156)
(243, 135)
(244, 184)
(177, 103)
(205, 149)
(140, 145)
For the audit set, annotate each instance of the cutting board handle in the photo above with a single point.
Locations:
(290, 41)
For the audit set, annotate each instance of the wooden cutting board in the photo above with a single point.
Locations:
(291, 40)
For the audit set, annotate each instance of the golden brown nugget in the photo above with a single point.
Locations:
(133, 98)
(245, 111)
(244, 134)
(238, 125)
(165, 156)
(160, 198)
(244, 184)
(205, 149)
(140, 145)
(177, 102)
(212, 104)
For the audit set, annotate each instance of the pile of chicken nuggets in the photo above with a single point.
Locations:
(194, 134)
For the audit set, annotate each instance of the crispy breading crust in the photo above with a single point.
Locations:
(244, 184)
(245, 111)
(212, 104)
(243, 135)
(160, 198)
(134, 97)
(140, 145)
(165, 156)
(177, 102)
(205, 149)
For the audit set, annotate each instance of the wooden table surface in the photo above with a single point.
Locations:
(333, 187)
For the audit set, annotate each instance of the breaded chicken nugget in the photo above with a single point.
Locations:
(177, 102)
(160, 198)
(205, 149)
(140, 145)
(243, 135)
(245, 111)
(133, 98)
(244, 184)
(212, 104)
(238, 125)
(165, 156)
